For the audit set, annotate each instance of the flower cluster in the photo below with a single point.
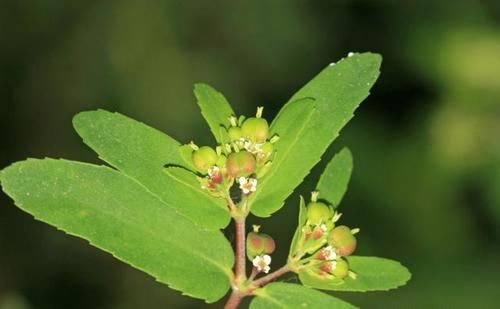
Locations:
(323, 245)
(243, 158)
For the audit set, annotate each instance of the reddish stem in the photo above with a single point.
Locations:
(234, 300)
(240, 263)
(272, 276)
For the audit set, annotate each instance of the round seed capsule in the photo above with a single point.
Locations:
(341, 269)
(240, 164)
(204, 158)
(256, 129)
(318, 212)
(342, 239)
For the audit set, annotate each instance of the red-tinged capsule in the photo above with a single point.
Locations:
(240, 164)
(343, 240)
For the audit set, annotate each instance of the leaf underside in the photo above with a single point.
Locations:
(337, 92)
(142, 153)
(119, 215)
(293, 296)
(333, 182)
(373, 274)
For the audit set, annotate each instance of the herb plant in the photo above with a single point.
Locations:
(160, 206)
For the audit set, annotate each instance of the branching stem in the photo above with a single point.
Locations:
(272, 276)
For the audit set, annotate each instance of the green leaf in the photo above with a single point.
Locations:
(373, 274)
(216, 110)
(186, 155)
(295, 118)
(293, 296)
(337, 90)
(333, 182)
(302, 222)
(119, 215)
(141, 153)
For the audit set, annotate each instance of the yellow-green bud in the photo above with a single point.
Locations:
(341, 269)
(235, 133)
(318, 212)
(256, 129)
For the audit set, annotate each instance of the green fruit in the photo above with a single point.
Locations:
(342, 239)
(204, 158)
(235, 133)
(318, 212)
(256, 129)
(341, 270)
(240, 164)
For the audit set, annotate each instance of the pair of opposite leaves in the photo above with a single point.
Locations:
(164, 223)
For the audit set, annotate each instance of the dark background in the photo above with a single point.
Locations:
(426, 184)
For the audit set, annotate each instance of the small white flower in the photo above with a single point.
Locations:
(247, 185)
(330, 253)
(262, 262)
(323, 228)
(214, 170)
(253, 148)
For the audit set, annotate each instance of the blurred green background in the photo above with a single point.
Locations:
(426, 143)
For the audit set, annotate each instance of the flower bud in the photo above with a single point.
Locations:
(204, 158)
(240, 164)
(343, 240)
(318, 212)
(341, 269)
(235, 133)
(256, 129)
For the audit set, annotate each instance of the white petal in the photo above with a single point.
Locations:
(242, 181)
(267, 259)
(256, 261)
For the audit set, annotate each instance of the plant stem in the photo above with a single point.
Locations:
(240, 267)
(272, 276)
(234, 300)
